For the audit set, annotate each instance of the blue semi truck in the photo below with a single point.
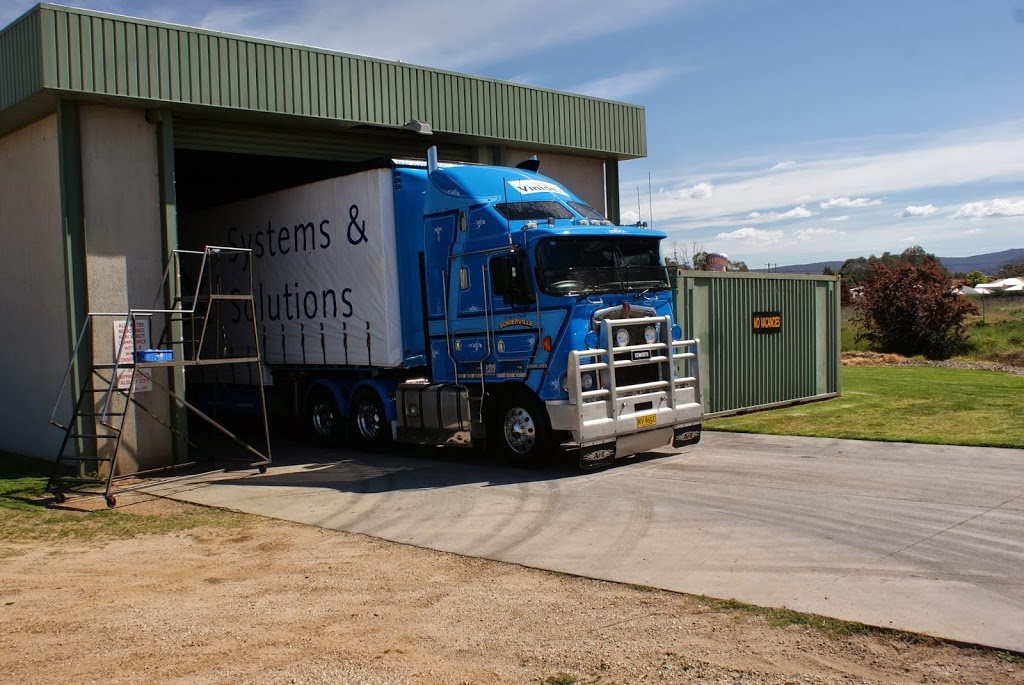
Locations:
(461, 304)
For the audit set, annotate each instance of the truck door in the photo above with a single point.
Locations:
(514, 325)
(468, 311)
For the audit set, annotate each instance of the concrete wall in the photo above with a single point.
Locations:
(124, 261)
(583, 175)
(34, 348)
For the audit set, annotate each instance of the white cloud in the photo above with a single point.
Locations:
(698, 191)
(844, 217)
(918, 210)
(623, 86)
(800, 212)
(847, 202)
(752, 235)
(998, 207)
(975, 231)
(990, 155)
(440, 34)
(812, 233)
(911, 239)
(783, 165)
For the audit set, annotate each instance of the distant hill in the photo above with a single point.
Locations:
(986, 263)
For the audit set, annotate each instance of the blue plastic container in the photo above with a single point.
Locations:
(149, 356)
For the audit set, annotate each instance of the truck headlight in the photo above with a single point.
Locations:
(650, 335)
(621, 337)
(587, 381)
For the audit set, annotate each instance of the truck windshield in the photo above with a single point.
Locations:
(586, 211)
(576, 266)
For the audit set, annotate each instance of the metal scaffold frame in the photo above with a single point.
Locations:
(194, 331)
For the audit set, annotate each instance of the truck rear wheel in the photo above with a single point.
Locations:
(522, 429)
(325, 420)
(369, 423)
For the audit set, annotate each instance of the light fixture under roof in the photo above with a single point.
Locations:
(420, 127)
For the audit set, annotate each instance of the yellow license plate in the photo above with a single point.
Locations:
(646, 421)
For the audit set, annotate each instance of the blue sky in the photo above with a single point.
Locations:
(779, 131)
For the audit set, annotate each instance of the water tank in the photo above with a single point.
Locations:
(716, 261)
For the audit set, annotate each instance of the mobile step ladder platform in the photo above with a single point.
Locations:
(101, 392)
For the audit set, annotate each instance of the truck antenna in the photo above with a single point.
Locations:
(508, 222)
(650, 202)
(640, 223)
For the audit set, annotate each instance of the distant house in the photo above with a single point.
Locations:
(1006, 285)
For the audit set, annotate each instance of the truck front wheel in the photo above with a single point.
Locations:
(369, 423)
(522, 429)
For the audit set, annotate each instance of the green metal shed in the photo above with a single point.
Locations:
(767, 340)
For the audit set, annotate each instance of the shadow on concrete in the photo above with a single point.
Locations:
(407, 467)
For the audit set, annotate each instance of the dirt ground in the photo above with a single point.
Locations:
(263, 601)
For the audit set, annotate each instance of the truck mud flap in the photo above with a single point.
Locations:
(597, 456)
(689, 435)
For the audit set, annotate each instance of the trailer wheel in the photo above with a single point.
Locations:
(325, 419)
(523, 430)
(370, 426)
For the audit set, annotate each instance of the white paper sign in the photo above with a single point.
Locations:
(127, 344)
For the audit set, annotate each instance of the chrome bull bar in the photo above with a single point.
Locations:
(637, 395)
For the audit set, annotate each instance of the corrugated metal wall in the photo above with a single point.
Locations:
(192, 134)
(96, 53)
(750, 363)
(20, 73)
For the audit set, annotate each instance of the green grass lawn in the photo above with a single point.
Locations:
(904, 404)
(24, 516)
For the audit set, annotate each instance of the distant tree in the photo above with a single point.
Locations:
(859, 269)
(975, 277)
(911, 309)
(845, 296)
(827, 271)
(737, 266)
(916, 255)
(683, 255)
(1015, 270)
(699, 261)
(855, 270)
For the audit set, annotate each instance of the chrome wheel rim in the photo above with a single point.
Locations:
(368, 420)
(324, 418)
(520, 430)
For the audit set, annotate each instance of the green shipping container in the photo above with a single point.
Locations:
(766, 340)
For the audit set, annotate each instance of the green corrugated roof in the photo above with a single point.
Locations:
(60, 51)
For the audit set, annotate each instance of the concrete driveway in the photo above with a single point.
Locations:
(922, 538)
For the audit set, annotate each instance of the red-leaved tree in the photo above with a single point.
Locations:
(912, 309)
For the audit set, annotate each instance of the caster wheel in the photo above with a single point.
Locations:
(263, 469)
(111, 501)
(59, 498)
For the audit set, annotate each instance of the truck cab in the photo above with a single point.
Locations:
(545, 325)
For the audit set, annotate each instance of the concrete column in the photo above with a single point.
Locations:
(613, 203)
